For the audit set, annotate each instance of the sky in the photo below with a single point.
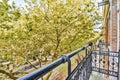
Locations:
(18, 2)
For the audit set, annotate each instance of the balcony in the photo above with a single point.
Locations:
(97, 61)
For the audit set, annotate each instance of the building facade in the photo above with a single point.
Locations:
(111, 25)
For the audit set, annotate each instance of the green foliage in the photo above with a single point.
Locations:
(44, 30)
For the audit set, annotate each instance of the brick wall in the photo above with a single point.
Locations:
(113, 31)
(118, 16)
(110, 35)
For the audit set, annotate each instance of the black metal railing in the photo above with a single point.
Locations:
(83, 69)
(100, 60)
(106, 62)
(64, 58)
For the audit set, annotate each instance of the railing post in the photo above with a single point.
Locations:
(86, 52)
(69, 66)
(109, 61)
(67, 59)
(119, 65)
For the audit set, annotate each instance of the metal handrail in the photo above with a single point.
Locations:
(64, 58)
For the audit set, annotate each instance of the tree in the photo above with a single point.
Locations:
(44, 30)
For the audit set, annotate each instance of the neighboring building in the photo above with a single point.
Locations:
(111, 25)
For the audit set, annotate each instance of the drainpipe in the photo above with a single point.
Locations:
(118, 16)
(110, 25)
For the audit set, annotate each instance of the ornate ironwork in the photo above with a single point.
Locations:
(105, 62)
(101, 61)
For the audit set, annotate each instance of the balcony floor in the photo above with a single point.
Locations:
(97, 76)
